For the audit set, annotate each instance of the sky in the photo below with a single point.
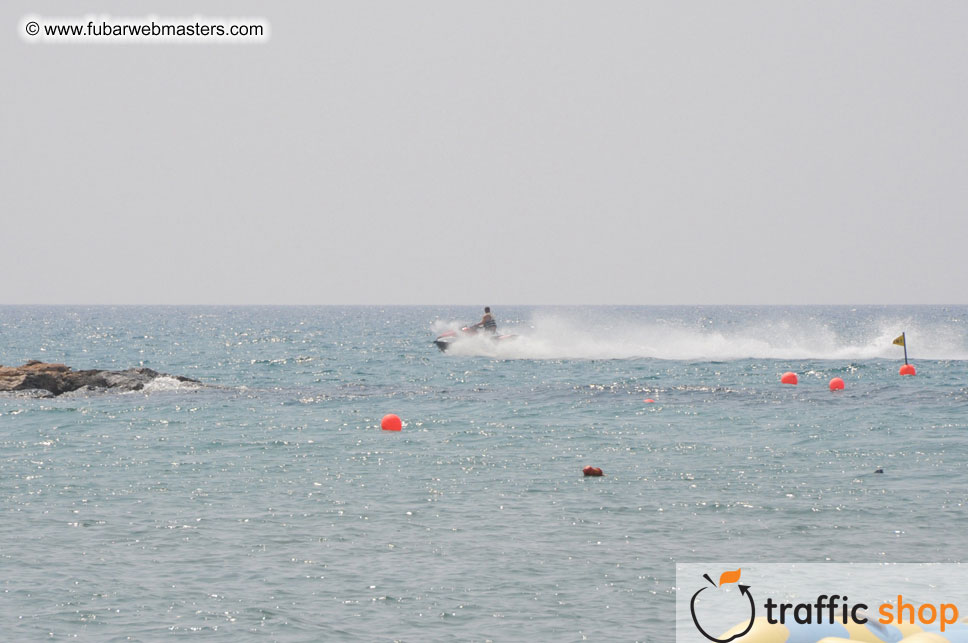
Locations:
(387, 152)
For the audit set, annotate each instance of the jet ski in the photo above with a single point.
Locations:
(451, 337)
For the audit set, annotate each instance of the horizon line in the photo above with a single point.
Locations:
(476, 305)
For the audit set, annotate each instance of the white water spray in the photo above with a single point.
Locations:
(555, 336)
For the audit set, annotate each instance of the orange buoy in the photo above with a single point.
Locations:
(391, 422)
(788, 378)
(649, 400)
(592, 471)
(836, 384)
(907, 369)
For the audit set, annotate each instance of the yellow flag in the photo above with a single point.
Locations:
(899, 341)
(729, 577)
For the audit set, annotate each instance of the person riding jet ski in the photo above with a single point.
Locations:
(488, 323)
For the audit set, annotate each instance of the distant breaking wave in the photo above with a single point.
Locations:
(166, 383)
(559, 337)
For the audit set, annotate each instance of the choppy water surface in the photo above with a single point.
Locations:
(269, 502)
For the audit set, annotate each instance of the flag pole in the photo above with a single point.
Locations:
(904, 339)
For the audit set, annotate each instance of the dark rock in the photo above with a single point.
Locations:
(58, 378)
(879, 471)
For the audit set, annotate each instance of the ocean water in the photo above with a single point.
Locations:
(267, 503)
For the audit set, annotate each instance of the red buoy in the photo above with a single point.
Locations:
(391, 422)
(836, 384)
(649, 400)
(908, 369)
(788, 378)
(592, 471)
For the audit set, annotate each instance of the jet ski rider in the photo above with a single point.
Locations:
(487, 322)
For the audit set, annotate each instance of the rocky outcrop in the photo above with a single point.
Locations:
(58, 378)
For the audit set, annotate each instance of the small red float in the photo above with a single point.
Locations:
(788, 378)
(592, 471)
(391, 422)
(836, 384)
(908, 369)
(649, 400)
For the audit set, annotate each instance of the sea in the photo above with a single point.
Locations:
(266, 503)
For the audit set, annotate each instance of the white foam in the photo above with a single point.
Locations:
(557, 337)
(167, 383)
